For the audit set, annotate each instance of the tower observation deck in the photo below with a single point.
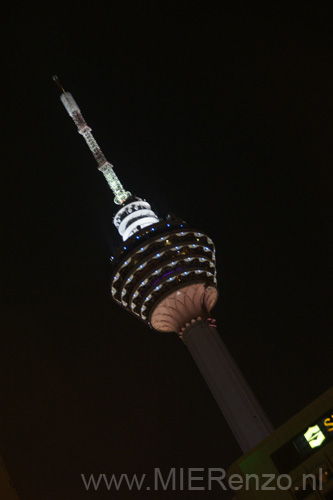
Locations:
(164, 273)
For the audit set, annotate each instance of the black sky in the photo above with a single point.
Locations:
(220, 112)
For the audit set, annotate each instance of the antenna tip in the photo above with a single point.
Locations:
(57, 81)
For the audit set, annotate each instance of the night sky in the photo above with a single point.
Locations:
(219, 112)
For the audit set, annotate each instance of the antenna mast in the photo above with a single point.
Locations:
(120, 195)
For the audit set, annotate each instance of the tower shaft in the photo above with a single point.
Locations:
(240, 408)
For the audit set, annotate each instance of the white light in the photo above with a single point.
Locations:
(314, 436)
(133, 216)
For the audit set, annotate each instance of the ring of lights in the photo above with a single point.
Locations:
(136, 214)
(158, 265)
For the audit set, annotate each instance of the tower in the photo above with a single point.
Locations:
(164, 273)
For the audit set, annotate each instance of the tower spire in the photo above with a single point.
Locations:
(120, 194)
(57, 82)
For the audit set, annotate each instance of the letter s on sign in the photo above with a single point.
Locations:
(328, 423)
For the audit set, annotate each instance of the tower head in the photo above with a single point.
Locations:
(165, 274)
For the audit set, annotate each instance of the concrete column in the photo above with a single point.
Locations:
(242, 411)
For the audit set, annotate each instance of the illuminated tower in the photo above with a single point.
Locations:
(164, 273)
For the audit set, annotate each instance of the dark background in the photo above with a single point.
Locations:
(220, 112)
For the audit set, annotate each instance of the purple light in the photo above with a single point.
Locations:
(166, 274)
